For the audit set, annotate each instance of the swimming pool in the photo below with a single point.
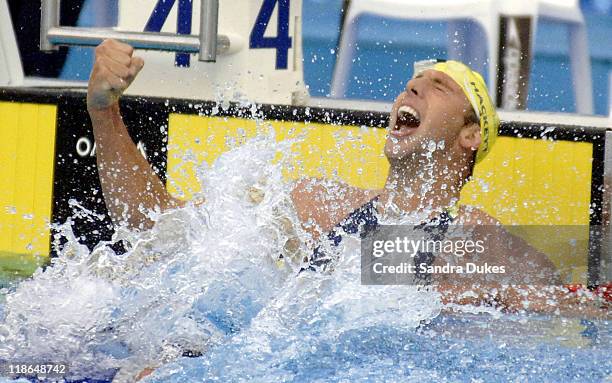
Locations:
(208, 280)
(449, 348)
(457, 348)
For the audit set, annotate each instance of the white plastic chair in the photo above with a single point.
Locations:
(485, 13)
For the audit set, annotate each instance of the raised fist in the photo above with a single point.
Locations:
(114, 70)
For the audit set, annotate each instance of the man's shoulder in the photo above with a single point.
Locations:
(321, 204)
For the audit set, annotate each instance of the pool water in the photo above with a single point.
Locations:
(208, 280)
(451, 348)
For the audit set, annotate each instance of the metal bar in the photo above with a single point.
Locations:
(209, 22)
(49, 18)
(140, 40)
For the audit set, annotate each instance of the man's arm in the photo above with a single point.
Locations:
(129, 184)
(541, 299)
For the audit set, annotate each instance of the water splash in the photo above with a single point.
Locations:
(205, 275)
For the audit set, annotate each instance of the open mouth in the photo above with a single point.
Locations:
(408, 120)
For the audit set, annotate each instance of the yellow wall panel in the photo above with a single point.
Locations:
(523, 181)
(534, 182)
(192, 140)
(352, 153)
(43, 180)
(540, 182)
(27, 146)
(23, 181)
(8, 160)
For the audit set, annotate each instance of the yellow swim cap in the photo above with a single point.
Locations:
(476, 92)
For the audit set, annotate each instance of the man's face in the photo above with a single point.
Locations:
(432, 108)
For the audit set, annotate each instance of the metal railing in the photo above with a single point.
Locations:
(208, 44)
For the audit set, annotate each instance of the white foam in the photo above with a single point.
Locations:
(202, 275)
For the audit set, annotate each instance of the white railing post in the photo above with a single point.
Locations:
(208, 44)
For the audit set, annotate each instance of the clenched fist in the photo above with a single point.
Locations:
(114, 70)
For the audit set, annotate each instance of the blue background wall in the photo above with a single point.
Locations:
(387, 49)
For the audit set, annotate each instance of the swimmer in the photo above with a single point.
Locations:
(445, 104)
